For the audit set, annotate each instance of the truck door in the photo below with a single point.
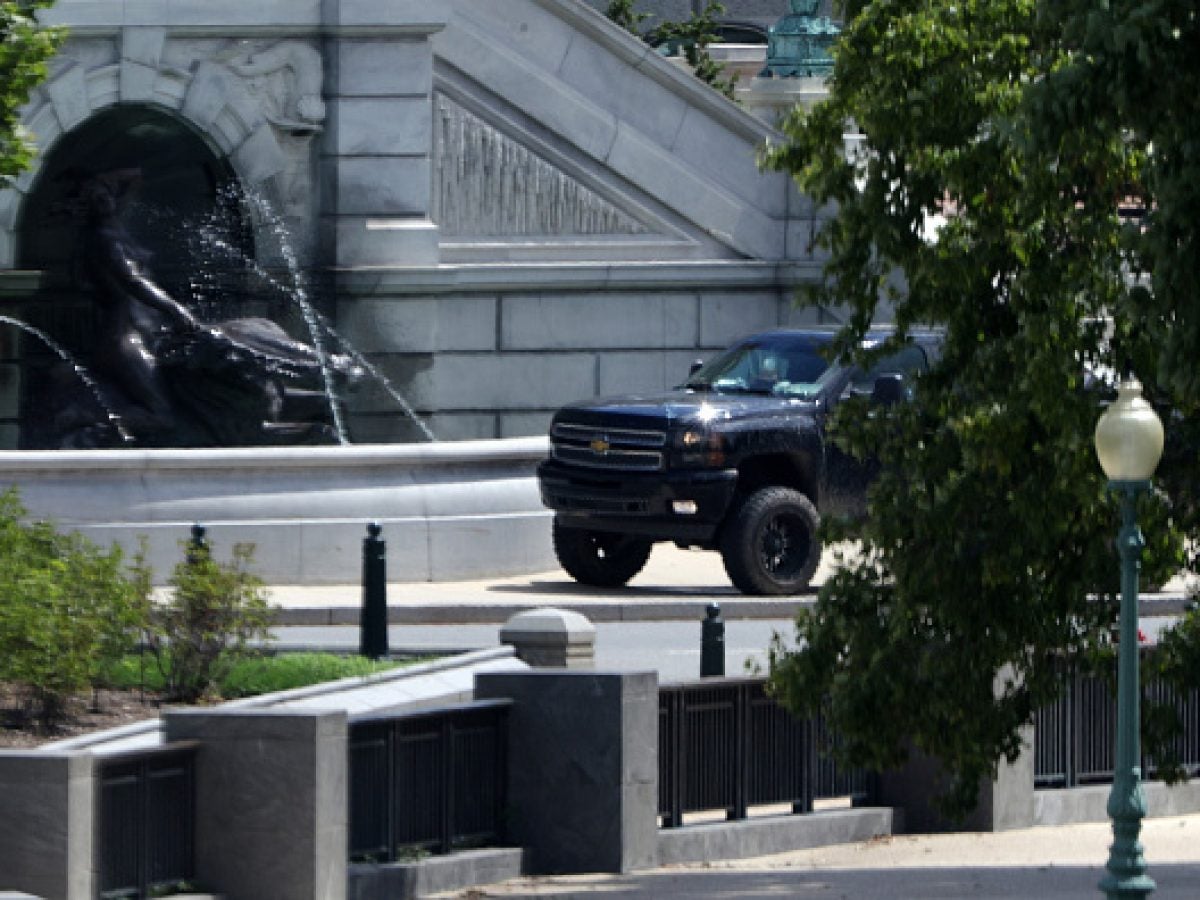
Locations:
(890, 380)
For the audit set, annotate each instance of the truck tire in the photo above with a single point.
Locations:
(599, 558)
(769, 544)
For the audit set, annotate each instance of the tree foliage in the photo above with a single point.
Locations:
(692, 37)
(622, 12)
(1008, 143)
(25, 48)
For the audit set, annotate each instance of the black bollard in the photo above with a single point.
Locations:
(198, 545)
(712, 643)
(373, 642)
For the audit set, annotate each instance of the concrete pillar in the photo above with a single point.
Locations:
(583, 785)
(1005, 803)
(376, 174)
(551, 638)
(270, 801)
(770, 99)
(46, 829)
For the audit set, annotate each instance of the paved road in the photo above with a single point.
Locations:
(654, 623)
(670, 648)
(1060, 863)
(1043, 882)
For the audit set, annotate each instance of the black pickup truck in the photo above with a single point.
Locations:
(735, 459)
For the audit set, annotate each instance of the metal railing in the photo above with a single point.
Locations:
(726, 746)
(146, 821)
(1075, 736)
(431, 781)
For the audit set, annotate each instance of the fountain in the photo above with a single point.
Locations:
(478, 207)
(144, 418)
(317, 325)
(160, 376)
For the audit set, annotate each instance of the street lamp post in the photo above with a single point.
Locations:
(1129, 442)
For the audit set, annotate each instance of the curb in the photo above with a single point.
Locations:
(499, 613)
(598, 611)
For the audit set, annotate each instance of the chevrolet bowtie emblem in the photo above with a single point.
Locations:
(600, 446)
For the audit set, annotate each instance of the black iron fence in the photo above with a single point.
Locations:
(146, 821)
(726, 746)
(432, 781)
(1076, 735)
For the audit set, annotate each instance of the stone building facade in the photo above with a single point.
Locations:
(508, 204)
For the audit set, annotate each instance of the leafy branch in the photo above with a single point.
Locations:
(692, 37)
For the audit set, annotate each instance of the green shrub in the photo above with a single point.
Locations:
(67, 609)
(212, 615)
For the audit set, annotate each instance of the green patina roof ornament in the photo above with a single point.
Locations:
(798, 44)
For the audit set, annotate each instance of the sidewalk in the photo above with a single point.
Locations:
(675, 584)
(1032, 863)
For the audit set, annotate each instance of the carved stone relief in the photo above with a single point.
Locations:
(488, 184)
(284, 79)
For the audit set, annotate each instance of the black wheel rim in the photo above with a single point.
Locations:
(783, 547)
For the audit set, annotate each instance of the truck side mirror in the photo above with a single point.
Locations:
(695, 367)
(888, 389)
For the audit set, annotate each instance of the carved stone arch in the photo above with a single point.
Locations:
(170, 209)
(180, 172)
(210, 98)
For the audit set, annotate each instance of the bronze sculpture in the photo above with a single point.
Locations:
(170, 380)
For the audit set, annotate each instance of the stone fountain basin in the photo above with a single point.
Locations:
(449, 510)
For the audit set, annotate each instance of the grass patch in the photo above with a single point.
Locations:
(268, 674)
(254, 675)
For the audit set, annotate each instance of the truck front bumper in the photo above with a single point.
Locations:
(644, 504)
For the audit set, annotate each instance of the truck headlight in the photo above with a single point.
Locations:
(701, 448)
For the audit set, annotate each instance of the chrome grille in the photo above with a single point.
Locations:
(608, 448)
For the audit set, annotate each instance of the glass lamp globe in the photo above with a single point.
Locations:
(1129, 436)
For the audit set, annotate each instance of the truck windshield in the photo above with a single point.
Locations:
(786, 365)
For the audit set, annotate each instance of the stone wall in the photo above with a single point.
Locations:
(449, 511)
(494, 354)
(271, 790)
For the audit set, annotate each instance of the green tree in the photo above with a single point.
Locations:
(25, 48)
(692, 37)
(622, 13)
(1000, 143)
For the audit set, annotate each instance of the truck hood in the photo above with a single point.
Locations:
(677, 406)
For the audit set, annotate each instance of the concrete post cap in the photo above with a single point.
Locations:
(548, 623)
